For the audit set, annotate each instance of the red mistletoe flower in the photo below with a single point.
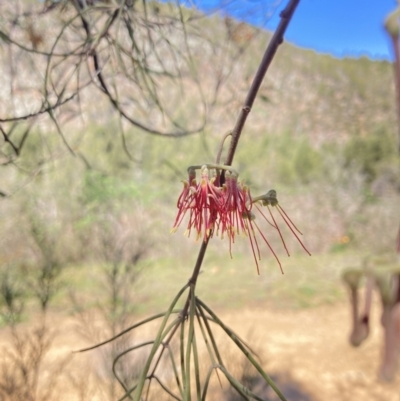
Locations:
(270, 199)
(185, 198)
(228, 210)
(236, 203)
(251, 233)
(203, 201)
(207, 205)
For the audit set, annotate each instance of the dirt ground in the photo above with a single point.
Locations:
(308, 350)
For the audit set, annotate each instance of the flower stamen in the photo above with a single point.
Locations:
(227, 209)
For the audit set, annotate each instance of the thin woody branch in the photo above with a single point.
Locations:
(286, 16)
(277, 39)
(236, 217)
(104, 87)
(8, 140)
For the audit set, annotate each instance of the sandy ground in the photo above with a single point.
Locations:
(310, 349)
(307, 351)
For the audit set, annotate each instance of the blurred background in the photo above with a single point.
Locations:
(103, 110)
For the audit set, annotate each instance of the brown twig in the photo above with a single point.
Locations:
(42, 110)
(277, 39)
(221, 146)
(104, 88)
(8, 140)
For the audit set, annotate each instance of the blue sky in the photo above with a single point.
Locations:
(338, 27)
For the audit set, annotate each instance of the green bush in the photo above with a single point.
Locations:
(297, 161)
(370, 153)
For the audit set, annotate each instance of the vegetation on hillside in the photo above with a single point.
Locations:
(87, 218)
(322, 134)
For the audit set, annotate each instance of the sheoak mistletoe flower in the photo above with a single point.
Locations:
(203, 201)
(227, 210)
(236, 205)
(206, 206)
(270, 199)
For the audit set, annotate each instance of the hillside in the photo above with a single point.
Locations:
(88, 199)
(311, 94)
(322, 132)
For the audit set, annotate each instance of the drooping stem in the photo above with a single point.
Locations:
(277, 39)
(221, 146)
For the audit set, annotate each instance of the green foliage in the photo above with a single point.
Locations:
(12, 295)
(309, 96)
(370, 153)
(104, 190)
(297, 160)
